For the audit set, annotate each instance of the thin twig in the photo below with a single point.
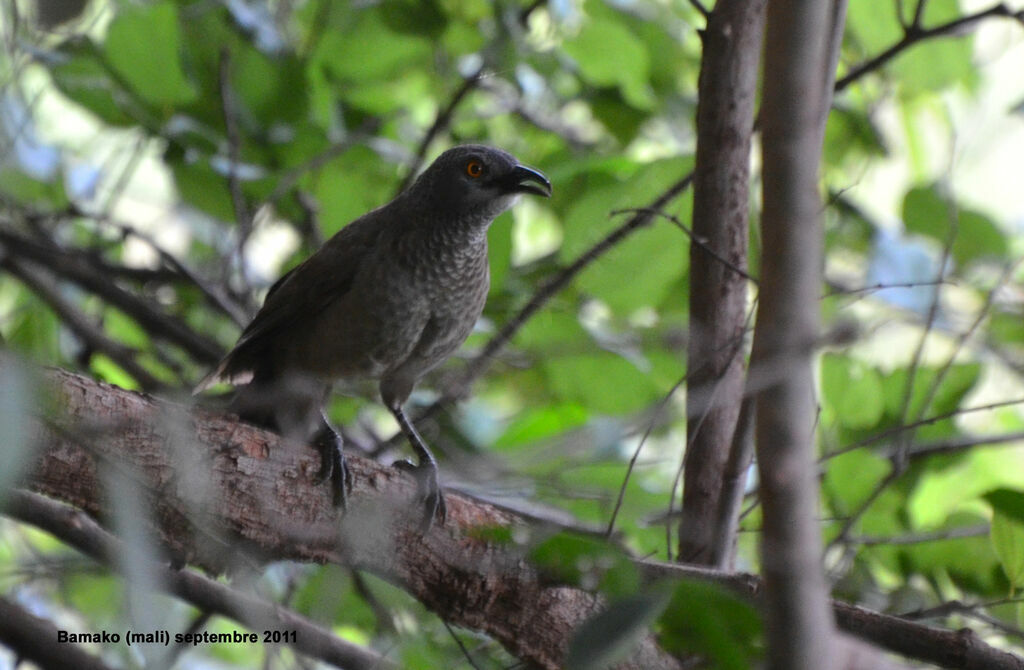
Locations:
(913, 36)
(290, 177)
(933, 310)
(214, 294)
(229, 111)
(926, 421)
(915, 23)
(838, 292)
(699, 6)
(658, 409)
(443, 119)
(976, 530)
(462, 647)
(157, 323)
(693, 238)
(91, 334)
(1004, 277)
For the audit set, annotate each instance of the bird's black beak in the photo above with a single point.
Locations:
(527, 180)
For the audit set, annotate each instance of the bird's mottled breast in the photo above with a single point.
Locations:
(451, 273)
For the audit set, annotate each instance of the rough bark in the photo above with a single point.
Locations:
(725, 119)
(223, 494)
(798, 622)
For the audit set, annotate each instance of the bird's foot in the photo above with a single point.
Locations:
(332, 464)
(428, 491)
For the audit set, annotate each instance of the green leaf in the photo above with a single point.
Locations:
(200, 186)
(273, 90)
(574, 559)
(707, 620)
(608, 54)
(849, 491)
(850, 134)
(43, 195)
(642, 269)
(370, 51)
(542, 423)
(1007, 535)
(349, 186)
(143, 46)
(934, 66)
(977, 237)
(106, 369)
(1007, 502)
(1007, 327)
(955, 385)
(853, 390)
(938, 64)
(611, 635)
(602, 382)
(82, 76)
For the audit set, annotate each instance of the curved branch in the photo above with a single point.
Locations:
(914, 34)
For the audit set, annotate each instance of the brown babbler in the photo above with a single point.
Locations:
(389, 297)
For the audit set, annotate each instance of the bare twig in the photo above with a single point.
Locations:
(926, 421)
(1004, 277)
(158, 324)
(978, 530)
(441, 121)
(693, 239)
(658, 409)
(214, 294)
(230, 113)
(91, 334)
(914, 34)
(933, 310)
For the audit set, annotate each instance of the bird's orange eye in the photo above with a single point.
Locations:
(474, 169)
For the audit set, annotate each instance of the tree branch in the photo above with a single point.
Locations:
(948, 649)
(218, 487)
(33, 638)
(914, 34)
(441, 121)
(220, 490)
(84, 534)
(799, 38)
(718, 287)
(158, 324)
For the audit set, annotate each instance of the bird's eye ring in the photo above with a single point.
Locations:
(474, 169)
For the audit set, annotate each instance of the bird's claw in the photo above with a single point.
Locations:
(333, 466)
(427, 491)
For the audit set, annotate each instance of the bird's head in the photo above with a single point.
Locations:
(475, 182)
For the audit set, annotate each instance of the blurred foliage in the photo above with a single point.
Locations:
(121, 128)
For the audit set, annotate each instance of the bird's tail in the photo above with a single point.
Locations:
(221, 374)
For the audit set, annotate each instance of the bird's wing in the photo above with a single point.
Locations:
(298, 296)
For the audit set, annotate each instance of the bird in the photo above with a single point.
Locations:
(388, 298)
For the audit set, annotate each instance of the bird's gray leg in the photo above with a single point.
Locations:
(425, 471)
(330, 444)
